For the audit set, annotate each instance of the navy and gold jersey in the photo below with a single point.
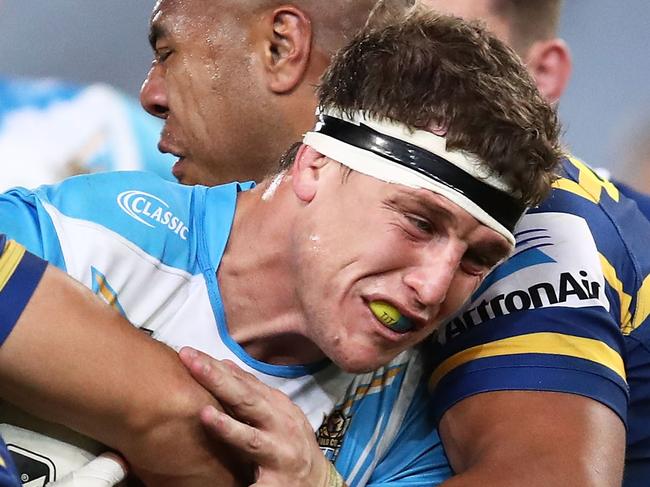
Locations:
(8, 475)
(567, 312)
(20, 272)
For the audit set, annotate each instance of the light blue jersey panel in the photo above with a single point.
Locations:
(383, 432)
(153, 214)
(416, 457)
(23, 219)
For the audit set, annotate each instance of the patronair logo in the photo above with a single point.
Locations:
(568, 287)
(151, 211)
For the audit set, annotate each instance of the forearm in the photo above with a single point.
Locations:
(82, 365)
(514, 438)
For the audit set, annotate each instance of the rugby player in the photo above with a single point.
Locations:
(380, 224)
(507, 453)
(613, 241)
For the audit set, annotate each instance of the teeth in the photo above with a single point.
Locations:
(390, 317)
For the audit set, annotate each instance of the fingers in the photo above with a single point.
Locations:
(244, 438)
(235, 389)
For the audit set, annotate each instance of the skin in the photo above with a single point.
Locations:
(505, 438)
(118, 409)
(487, 437)
(319, 253)
(125, 410)
(234, 80)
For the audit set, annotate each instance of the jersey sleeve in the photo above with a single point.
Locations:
(20, 273)
(545, 320)
(71, 223)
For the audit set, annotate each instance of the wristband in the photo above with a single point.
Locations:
(334, 478)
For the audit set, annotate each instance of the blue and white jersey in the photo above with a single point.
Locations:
(568, 312)
(50, 130)
(151, 249)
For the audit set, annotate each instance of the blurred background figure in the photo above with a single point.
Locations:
(52, 129)
(634, 164)
(633, 167)
(95, 40)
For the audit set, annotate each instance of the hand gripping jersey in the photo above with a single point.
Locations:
(20, 273)
(151, 249)
(50, 130)
(567, 312)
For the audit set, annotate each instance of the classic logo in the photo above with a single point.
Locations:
(150, 211)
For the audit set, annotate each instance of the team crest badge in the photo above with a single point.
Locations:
(331, 433)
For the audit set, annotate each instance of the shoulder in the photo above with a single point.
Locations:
(125, 208)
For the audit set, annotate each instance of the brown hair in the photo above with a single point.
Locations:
(427, 70)
(529, 20)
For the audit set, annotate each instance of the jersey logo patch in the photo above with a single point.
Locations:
(103, 289)
(151, 211)
(332, 432)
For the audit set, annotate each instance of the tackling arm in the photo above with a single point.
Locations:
(514, 438)
(73, 360)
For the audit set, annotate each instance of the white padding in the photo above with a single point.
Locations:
(103, 471)
(64, 456)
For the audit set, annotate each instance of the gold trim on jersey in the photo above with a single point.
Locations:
(375, 385)
(9, 260)
(625, 299)
(104, 290)
(589, 185)
(544, 343)
(642, 304)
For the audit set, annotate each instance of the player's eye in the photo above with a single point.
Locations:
(420, 224)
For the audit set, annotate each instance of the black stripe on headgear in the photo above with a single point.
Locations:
(501, 206)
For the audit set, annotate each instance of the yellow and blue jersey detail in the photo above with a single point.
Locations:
(20, 273)
(8, 474)
(569, 312)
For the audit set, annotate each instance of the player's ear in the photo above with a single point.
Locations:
(305, 172)
(286, 39)
(550, 64)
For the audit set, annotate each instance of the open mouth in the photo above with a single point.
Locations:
(390, 317)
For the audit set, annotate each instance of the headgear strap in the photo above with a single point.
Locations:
(393, 153)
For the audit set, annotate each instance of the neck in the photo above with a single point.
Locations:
(257, 279)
